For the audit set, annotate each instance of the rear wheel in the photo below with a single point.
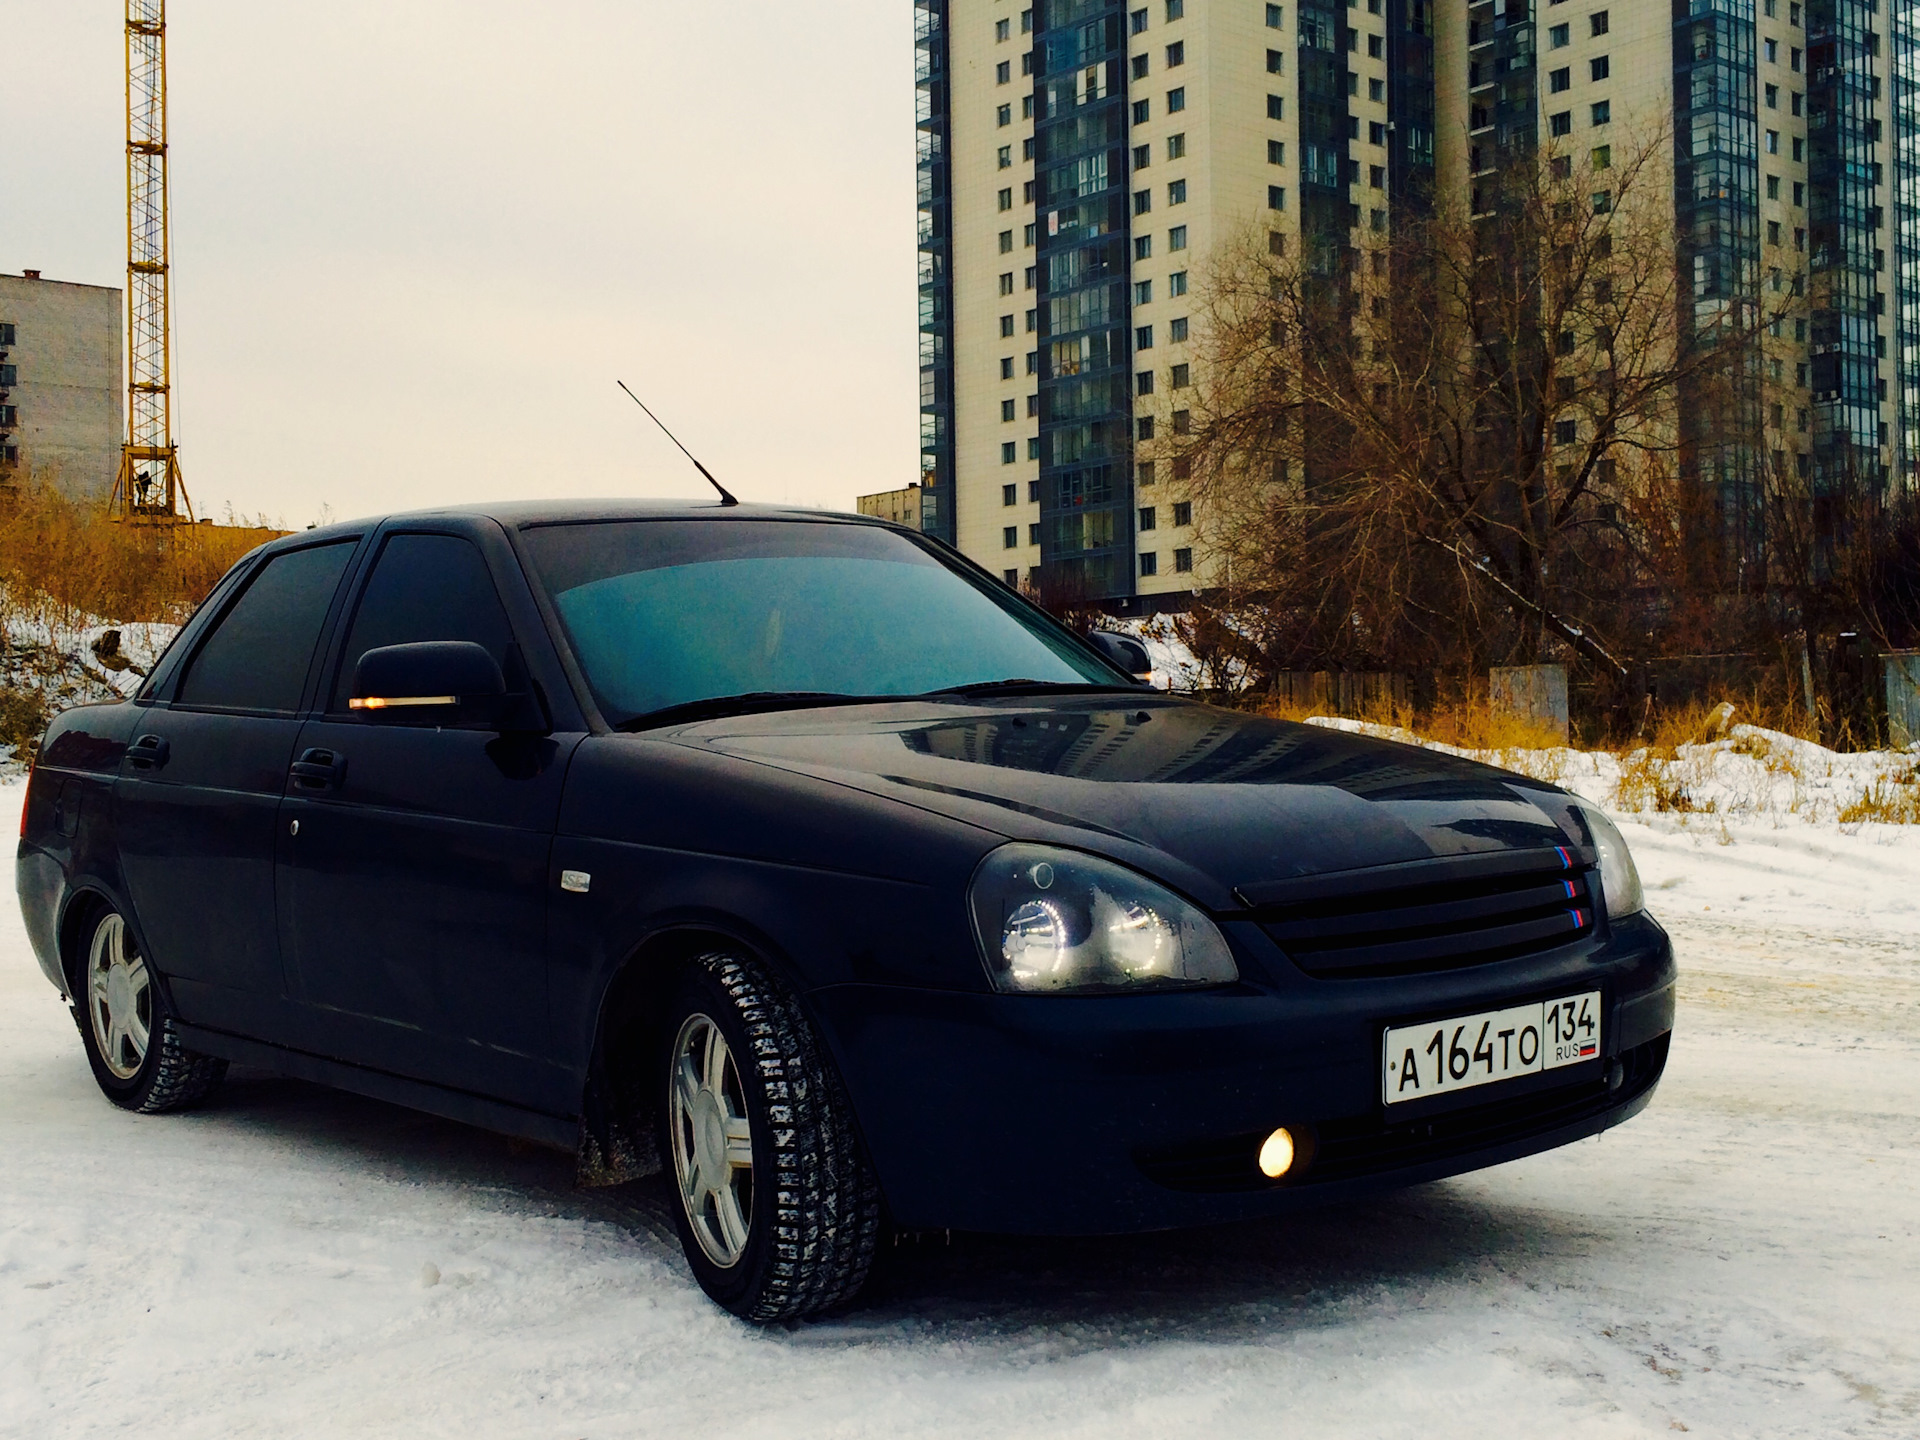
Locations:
(129, 1034)
(777, 1207)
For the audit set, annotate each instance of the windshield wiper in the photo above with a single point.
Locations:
(750, 703)
(1028, 687)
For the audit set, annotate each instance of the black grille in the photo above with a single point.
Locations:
(1367, 1145)
(1430, 914)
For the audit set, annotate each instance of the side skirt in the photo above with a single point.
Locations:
(378, 1085)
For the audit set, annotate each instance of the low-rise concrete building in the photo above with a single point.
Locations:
(62, 400)
(906, 506)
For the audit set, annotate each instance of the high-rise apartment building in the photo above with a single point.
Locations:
(1081, 160)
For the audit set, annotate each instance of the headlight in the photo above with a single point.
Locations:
(1619, 880)
(1056, 921)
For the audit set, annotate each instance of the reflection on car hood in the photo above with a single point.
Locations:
(1240, 797)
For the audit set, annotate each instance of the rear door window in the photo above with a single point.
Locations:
(426, 587)
(258, 655)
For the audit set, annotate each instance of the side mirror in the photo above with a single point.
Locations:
(1124, 652)
(432, 679)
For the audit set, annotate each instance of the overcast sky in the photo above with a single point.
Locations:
(415, 242)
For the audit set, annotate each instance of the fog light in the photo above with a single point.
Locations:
(1276, 1153)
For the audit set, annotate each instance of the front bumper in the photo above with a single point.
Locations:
(1052, 1115)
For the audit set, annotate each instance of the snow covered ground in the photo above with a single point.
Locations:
(1739, 1261)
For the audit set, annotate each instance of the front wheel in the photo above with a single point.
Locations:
(778, 1210)
(129, 1034)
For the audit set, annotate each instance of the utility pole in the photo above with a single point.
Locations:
(149, 489)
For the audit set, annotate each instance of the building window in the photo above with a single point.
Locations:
(1012, 577)
(1799, 149)
(1771, 49)
(1793, 62)
(1565, 432)
(1026, 63)
(1176, 100)
(1377, 177)
(1144, 427)
(1376, 47)
(1177, 238)
(1377, 90)
(1009, 494)
(1176, 54)
(1008, 452)
(1143, 247)
(1558, 37)
(1602, 202)
(1183, 512)
(1145, 471)
(1002, 30)
(1006, 283)
(1007, 408)
(1602, 157)
(1773, 187)
(1006, 242)
(1597, 23)
(1006, 367)
(1026, 107)
(1275, 18)
(1177, 283)
(1799, 195)
(1182, 376)
(1177, 331)
(1137, 22)
(1026, 192)
(1033, 453)
(1773, 232)
(1033, 233)
(1558, 80)
(1006, 325)
(1276, 152)
(1177, 146)
(1177, 193)
(1033, 406)
(1026, 148)
(1143, 383)
(1004, 115)
(1142, 156)
(1599, 67)
(1006, 199)
(1376, 133)
(1276, 197)
(1142, 111)
(1796, 102)
(1150, 562)
(1773, 142)
(1010, 538)
(1033, 321)
(1561, 123)
(1771, 94)
(1147, 518)
(1175, 9)
(1353, 88)
(1602, 112)
(1183, 560)
(1003, 73)
(1143, 292)
(1142, 201)
(1026, 22)
(1140, 63)
(1143, 337)
(1033, 534)
(1033, 492)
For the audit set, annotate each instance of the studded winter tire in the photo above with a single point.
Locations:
(129, 1033)
(776, 1204)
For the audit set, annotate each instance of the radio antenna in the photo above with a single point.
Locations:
(726, 495)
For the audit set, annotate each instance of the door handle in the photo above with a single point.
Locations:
(149, 752)
(318, 770)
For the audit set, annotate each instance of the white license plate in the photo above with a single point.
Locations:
(1439, 1057)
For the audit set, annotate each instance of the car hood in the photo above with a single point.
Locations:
(1240, 799)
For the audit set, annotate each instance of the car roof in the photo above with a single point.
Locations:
(519, 514)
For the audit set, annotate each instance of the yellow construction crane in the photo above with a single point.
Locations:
(149, 488)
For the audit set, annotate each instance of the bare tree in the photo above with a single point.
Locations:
(1468, 438)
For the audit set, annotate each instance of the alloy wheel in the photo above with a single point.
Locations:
(119, 998)
(712, 1140)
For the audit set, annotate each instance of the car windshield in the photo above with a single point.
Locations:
(667, 613)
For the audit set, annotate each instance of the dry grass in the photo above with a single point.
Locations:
(63, 560)
(1890, 800)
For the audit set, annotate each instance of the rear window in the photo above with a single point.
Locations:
(666, 612)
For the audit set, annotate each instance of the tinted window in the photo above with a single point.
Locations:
(425, 587)
(257, 657)
(664, 612)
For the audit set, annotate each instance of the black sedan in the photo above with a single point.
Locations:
(797, 857)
